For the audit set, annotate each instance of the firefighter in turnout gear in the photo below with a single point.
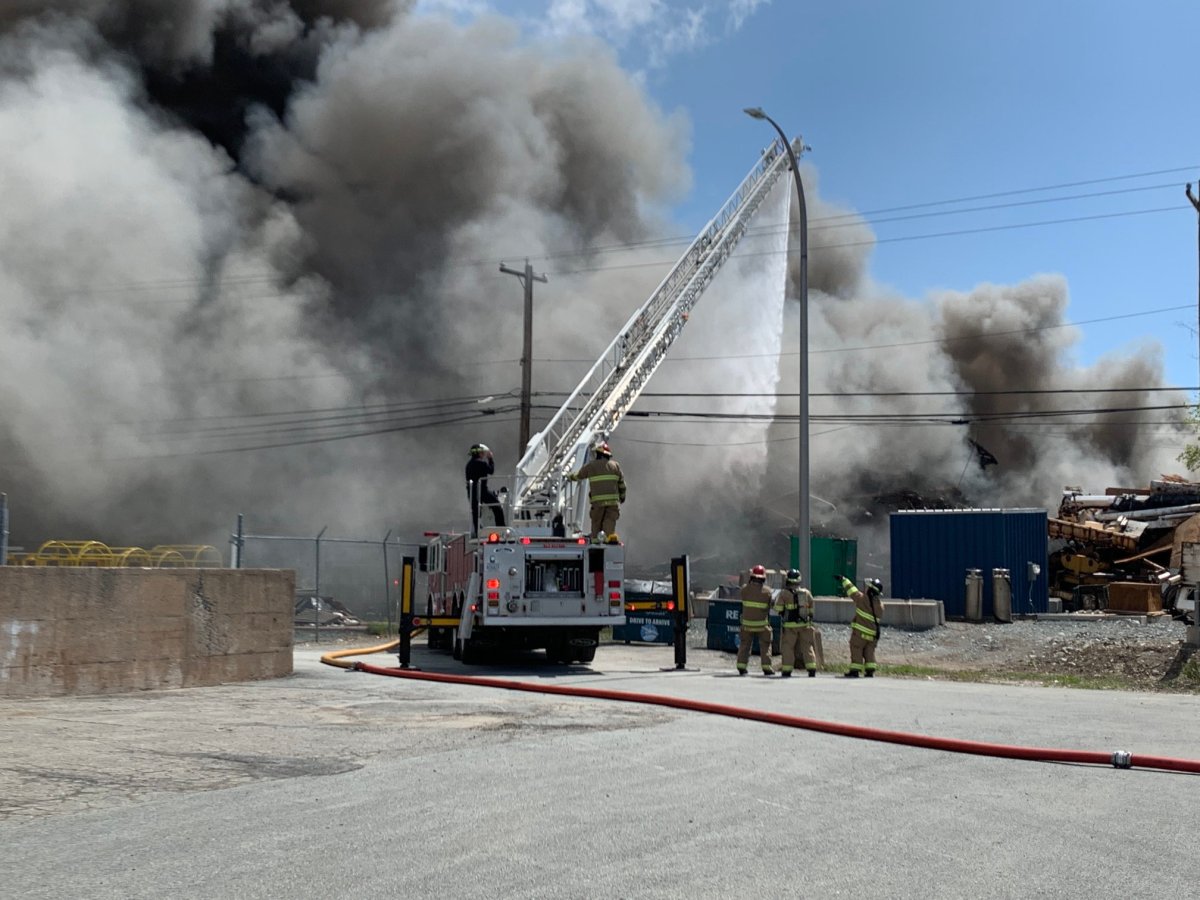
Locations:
(606, 491)
(481, 464)
(864, 630)
(795, 606)
(756, 611)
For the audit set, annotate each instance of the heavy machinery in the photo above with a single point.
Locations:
(539, 583)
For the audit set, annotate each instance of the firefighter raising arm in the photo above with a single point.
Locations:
(864, 629)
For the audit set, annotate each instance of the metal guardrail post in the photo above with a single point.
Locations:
(3, 529)
(408, 578)
(387, 585)
(238, 540)
(317, 588)
(681, 589)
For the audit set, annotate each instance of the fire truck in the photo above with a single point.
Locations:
(540, 583)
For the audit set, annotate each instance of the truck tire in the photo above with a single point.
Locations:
(559, 651)
(585, 655)
(468, 652)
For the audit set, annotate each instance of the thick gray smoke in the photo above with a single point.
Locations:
(210, 235)
(974, 347)
(276, 224)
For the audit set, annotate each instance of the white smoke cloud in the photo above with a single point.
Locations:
(250, 223)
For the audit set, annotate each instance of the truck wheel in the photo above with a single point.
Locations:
(468, 652)
(585, 655)
(558, 652)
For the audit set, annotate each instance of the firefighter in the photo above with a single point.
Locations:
(795, 607)
(480, 465)
(756, 610)
(606, 490)
(864, 630)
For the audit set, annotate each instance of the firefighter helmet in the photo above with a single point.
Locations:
(793, 576)
(874, 587)
(602, 449)
(480, 449)
(758, 572)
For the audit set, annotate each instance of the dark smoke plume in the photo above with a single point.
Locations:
(238, 224)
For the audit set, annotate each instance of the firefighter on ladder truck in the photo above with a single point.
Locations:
(606, 492)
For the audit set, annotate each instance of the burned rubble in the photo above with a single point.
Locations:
(1129, 549)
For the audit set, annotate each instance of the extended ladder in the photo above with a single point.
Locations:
(618, 377)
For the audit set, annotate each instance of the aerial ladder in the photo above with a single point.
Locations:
(543, 496)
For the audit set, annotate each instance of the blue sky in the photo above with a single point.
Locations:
(931, 100)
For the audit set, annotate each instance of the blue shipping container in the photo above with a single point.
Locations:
(931, 551)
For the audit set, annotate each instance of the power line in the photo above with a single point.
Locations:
(876, 241)
(942, 340)
(865, 215)
(817, 223)
(326, 418)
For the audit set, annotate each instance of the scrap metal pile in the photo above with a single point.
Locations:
(1127, 536)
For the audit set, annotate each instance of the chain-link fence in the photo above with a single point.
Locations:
(339, 580)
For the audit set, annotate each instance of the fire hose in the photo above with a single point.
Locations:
(1119, 759)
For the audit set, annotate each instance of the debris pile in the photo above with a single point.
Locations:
(322, 611)
(1128, 536)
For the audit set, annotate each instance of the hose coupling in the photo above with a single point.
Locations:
(1122, 759)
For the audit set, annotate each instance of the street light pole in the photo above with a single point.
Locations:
(804, 524)
(528, 278)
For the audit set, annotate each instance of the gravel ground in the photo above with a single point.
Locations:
(1098, 651)
(1113, 652)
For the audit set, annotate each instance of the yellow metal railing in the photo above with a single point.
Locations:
(95, 554)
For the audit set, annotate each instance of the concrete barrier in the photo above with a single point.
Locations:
(917, 615)
(97, 631)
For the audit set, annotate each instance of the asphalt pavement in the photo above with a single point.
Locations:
(334, 784)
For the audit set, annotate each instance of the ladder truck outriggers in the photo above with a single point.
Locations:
(540, 583)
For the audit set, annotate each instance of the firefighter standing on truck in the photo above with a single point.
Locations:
(795, 605)
(864, 629)
(481, 464)
(606, 491)
(756, 610)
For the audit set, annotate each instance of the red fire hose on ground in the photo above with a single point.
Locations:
(1118, 758)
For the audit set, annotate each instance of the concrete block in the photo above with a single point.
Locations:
(833, 609)
(914, 614)
(95, 631)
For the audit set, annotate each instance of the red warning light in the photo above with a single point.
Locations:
(614, 595)
(581, 541)
(416, 623)
(493, 538)
(526, 541)
(493, 583)
(670, 605)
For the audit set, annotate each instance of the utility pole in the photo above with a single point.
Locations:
(1196, 204)
(1193, 631)
(528, 278)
